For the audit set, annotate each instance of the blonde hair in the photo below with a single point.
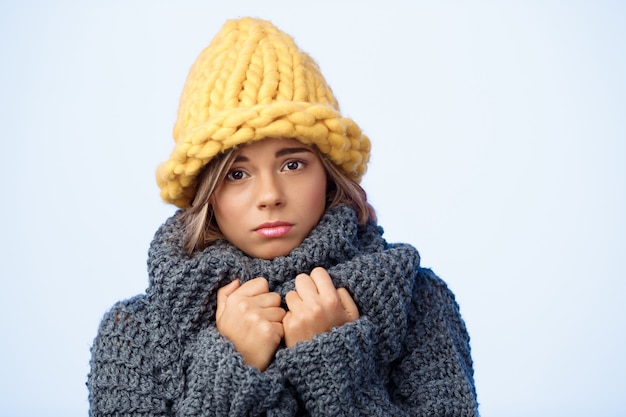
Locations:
(201, 229)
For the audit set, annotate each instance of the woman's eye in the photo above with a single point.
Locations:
(293, 165)
(235, 175)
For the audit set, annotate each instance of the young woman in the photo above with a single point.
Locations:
(272, 291)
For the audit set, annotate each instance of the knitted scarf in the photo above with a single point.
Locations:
(379, 276)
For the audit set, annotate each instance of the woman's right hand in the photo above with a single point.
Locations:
(251, 317)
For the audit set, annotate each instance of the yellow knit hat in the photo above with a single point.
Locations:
(252, 82)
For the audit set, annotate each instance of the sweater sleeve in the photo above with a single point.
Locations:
(336, 375)
(139, 369)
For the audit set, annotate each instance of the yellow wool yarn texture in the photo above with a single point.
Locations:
(253, 82)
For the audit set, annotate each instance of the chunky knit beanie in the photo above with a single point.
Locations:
(253, 82)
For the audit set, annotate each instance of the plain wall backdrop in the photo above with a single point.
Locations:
(498, 133)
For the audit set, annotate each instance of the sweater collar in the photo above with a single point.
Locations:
(179, 281)
(380, 276)
(337, 237)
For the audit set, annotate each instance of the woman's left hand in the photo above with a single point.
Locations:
(316, 306)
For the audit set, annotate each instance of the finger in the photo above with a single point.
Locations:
(322, 280)
(229, 288)
(293, 300)
(273, 314)
(255, 286)
(348, 303)
(268, 299)
(223, 293)
(279, 329)
(305, 286)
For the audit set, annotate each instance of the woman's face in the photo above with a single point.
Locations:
(273, 195)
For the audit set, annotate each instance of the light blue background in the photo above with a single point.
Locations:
(498, 133)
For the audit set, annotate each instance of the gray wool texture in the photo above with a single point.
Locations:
(160, 354)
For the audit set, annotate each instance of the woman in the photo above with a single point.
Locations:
(272, 291)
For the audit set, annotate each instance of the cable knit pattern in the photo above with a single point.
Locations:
(160, 354)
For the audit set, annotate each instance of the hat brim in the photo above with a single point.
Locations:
(338, 137)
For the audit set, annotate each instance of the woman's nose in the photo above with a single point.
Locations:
(270, 192)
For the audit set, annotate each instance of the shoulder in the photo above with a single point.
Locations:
(122, 326)
(427, 278)
(123, 313)
(435, 305)
(431, 291)
(135, 323)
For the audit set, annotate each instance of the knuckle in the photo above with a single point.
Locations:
(331, 301)
(256, 322)
(290, 324)
(244, 306)
(264, 327)
(316, 309)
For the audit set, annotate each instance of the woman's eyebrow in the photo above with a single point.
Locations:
(279, 153)
(289, 151)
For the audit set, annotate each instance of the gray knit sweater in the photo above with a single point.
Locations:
(160, 354)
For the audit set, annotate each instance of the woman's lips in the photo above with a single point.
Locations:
(273, 229)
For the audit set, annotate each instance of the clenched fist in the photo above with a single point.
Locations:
(316, 306)
(251, 317)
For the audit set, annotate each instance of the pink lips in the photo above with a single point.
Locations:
(273, 229)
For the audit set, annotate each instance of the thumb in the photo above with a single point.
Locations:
(348, 304)
(222, 295)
